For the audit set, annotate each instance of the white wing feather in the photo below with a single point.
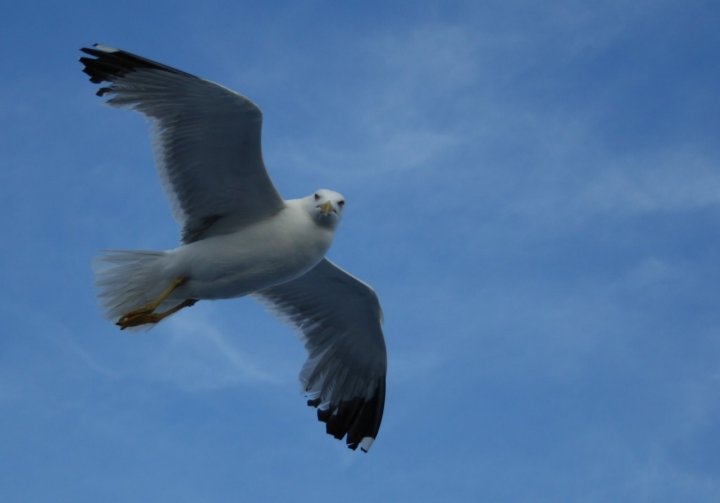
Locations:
(340, 319)
(207, 140)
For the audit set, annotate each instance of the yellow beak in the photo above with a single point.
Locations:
(326, 208)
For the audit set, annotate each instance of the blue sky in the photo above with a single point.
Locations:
(533, 190)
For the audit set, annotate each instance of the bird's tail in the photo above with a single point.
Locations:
(128, 280)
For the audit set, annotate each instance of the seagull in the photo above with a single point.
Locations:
(240, 237)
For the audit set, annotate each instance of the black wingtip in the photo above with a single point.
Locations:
(357, 419)
(88, 50)
(108, 64)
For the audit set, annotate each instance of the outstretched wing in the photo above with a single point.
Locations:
(207, 139)
(340, 320)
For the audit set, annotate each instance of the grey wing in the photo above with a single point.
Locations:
(340, 319)
(207, 139)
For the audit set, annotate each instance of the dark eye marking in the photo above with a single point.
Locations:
(341, 203)
(317, 196)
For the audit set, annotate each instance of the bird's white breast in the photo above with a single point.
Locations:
(264, 254)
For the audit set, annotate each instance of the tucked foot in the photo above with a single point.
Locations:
(147, 315)
(137, 318)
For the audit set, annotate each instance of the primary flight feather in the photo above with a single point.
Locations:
(239, 237)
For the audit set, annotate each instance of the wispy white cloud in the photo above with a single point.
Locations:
(578, 188)
(384, 122)
(674, 180)
(198, 355)
(441, 90)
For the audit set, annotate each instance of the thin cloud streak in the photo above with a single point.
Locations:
(197, 355)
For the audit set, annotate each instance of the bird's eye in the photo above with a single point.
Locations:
(317, 196)
(341, 203)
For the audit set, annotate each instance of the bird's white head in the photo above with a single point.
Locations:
(325, 206)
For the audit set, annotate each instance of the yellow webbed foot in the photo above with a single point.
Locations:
(147, 314)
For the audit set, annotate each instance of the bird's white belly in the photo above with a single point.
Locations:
(257, 257)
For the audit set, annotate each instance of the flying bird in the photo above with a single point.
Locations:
(240, 237)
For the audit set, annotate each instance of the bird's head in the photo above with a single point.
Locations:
(326, 206)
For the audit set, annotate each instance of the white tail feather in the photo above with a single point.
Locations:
(128, 280)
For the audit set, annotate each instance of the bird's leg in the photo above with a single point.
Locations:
(173, 310)
(146, 313)
(144, 318)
